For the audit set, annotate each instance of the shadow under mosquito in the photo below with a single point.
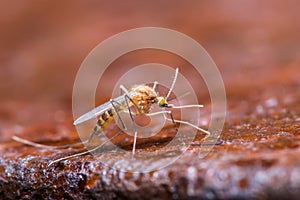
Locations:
(158, 143)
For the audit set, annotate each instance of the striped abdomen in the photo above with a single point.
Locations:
(103, 121)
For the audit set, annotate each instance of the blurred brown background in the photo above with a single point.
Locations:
(255, 45)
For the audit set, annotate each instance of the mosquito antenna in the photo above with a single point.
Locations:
(173, 83)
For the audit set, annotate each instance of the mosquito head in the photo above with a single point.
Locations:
(162, 102)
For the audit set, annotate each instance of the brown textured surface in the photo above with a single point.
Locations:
(256, 46)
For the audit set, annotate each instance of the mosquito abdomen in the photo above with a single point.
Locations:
(103, 121)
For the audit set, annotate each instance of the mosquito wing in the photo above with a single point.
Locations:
(102, 108)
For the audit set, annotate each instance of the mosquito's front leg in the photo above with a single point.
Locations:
(85, 152)
(179, 121)
(172, 119)
(186, 106)
(192, 125)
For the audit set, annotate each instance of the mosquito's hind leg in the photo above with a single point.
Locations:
(85, 152)
(96, 131)
(186, 106)
(37, 145)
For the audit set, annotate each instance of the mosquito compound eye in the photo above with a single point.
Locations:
(162, 102)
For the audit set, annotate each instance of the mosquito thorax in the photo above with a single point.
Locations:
(144, 97)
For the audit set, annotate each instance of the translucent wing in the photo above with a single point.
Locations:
(101, 109)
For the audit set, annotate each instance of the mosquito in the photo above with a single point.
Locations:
(140, 97)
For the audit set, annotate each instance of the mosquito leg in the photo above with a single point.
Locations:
(85, 152)
(164, 112)
(34, 144)
(97, 130)
(132, 122)
(188, 123)
(157, 113)
(124, 90)
(186, 106)
(27, 142)
(37, 145)
(180, 121)
(115, 107)
(172, 120)
(192, 125)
